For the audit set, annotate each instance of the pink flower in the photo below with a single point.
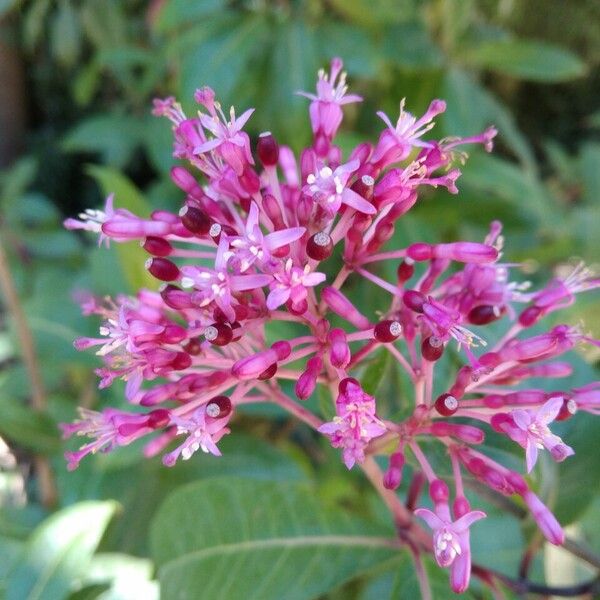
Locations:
(218, 285)
(325, 109)
(290, 283)
(451, 545)
(356, 423)
(328, 189)
(396, 142)
(532, 432)
(203, 433)
(252, 246)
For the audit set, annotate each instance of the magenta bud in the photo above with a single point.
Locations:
(363, 186)
(181, 361)
(406, 269)
(219, 334)
(252, 366)
(545, 520)
(297, 308)
(438, 491)
(461, 506)
(387, 331)
(532, 347)
(341, 306)
(339, 351)
(272, 210)
(567, 410)
(162, 268)
(307, 382)
(392, 478)
(517, 482)
(219, 407)
(466, 252)
(494, 401)
(173, 334)
(195, 220)
(159, 418)
(446, 405)
(193, 347)
(490, 360)
(414, 300)
(319, 246)
(175, 297)
(282, 349)
(484, 314)
(184, 180)
(157, 246)
(267, 149)
(268, 373)
(530, 316)
(419, 252)
(344, 383)
(432, 348)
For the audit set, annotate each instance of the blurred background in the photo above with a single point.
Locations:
(77, 81)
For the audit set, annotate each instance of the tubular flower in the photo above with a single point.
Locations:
(244, 255)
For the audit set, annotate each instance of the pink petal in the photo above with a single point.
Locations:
(467, 520)
(351, 198)
(312, 279)
(549, 411)
(284, 236)
(531, 455)
(460, 572)
(243, 118)
(208, 146)
(277, 297)
(430, 518)
(522, 418)
(385, 119)
(249, 282)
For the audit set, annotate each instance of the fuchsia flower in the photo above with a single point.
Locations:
(531, 431)
(356, 423)
(244, 256)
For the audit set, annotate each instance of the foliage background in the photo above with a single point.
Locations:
(79, 78)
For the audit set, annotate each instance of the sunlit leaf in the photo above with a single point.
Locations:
(59, 552)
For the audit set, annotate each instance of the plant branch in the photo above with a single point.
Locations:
(38, 393)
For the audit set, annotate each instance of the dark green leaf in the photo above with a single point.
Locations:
(258, 540)
(65, 34)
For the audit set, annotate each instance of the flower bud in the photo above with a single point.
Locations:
(219, 334)
(307, 382)
(446, 405)
(157, 246)
(545, 520)
(341, 306)
(267, 149)
(484, 314)
(319, 246)
(406, 269)
(419, 252)
(432, 348)
(466, 252)
(339, 351)
(162, 268)
(414, 300)
(195, 220)
(387, 331)
(219, 407)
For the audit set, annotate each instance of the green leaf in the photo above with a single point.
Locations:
(374, 374)
(113, 136)
(59, 552)
(229, 45)
(65, 34)
(33, 430)
(131, 257)
(525, 59)
(180, 13)
(234, 538)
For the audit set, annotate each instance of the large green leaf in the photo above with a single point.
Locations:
(59, 552)
(127, 195)
(524, 59)
(234, 538)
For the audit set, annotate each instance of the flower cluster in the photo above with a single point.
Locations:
(245, 251)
